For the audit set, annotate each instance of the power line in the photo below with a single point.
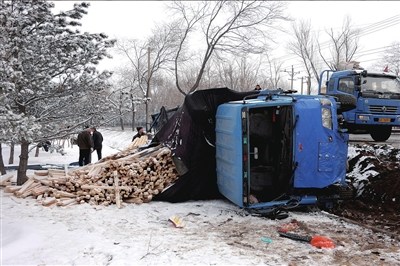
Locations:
(371, 28)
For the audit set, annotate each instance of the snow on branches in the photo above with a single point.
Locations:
(48, 79)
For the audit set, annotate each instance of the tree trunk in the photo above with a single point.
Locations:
(121, 121)
(37, 152)
(11, 158)
(147, 116)
(23, 163)
(2, 168)
(133, 116)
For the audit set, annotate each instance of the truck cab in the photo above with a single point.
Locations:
(378, 100)
(279, 148)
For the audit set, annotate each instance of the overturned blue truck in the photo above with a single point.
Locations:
(259, 149)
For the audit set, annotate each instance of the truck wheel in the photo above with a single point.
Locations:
(381, 133)
(346, 102)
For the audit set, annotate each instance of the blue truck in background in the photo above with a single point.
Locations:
(378, 100)
(278, 149)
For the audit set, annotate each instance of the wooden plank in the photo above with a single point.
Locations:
(25, 186)
(117, 190)
(5, 178)
(45, 182)
(60, 193)
(56, 171)
(66, 202)
(49, 201)
(12, 189)
(28, 192)
(41, 172)
(105, 187)
(39, 190)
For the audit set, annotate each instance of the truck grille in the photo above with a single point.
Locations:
(383, 109)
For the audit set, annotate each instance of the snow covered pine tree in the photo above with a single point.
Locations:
(48, 79)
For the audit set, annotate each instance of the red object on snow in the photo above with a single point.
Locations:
(316, 241)
(322, 242)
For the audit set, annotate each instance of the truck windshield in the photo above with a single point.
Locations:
(381, 85)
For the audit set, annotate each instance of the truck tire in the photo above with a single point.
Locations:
(346, 102)
(381, 133)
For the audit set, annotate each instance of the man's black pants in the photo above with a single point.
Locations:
(84, 157)
(98, 150)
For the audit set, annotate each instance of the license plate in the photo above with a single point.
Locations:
(384, 120)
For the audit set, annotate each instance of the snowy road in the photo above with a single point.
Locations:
(394, 139)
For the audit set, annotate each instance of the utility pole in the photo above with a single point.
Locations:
(148, 88)
(307, 82)
(291, 73)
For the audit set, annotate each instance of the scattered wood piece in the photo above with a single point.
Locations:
(41, 172)
(12, 189)
(66, 202)
(28, 192)
(4, 179)
(25, 186)
(49, 201)
(139, 142)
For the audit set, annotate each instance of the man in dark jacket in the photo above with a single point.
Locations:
(85, 144)
(140, 132)
(97, 142)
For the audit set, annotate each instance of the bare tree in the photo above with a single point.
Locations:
(239, 73)
(148, 57)
(391, 58)
(226, 72)
(305, 47)
(167, 95)
(234, 27)
(343, 45)
(125, 95)
(275, 68)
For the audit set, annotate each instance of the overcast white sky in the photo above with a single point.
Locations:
(135, 19)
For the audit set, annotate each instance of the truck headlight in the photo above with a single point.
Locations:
(325, 102)
(326, 117)
(363, 117)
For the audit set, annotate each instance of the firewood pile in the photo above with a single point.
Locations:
(130, 176)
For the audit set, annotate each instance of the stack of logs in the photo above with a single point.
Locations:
(132, 177)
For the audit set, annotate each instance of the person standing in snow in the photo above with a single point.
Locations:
(140, 132)
(97, 142)
(85, 144)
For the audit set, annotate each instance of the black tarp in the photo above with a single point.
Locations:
(190, 133)
(161, 118)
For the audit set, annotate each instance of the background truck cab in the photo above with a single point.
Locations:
(378, 100)
(277, 147)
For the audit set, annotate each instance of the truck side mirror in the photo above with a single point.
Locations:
(358, 83)
(364, 73)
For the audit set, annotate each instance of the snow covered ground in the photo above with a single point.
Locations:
(114, 140)
(215, 232)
